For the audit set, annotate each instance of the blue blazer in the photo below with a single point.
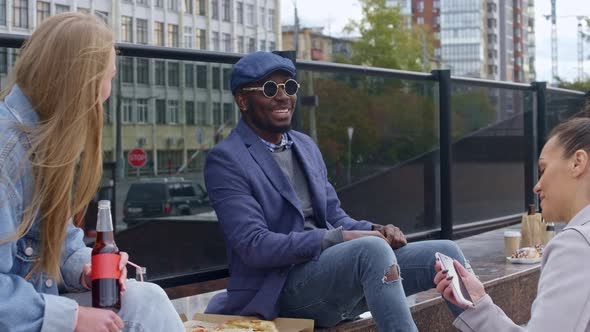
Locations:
(261, 218)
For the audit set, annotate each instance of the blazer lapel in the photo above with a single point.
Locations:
(269, 166)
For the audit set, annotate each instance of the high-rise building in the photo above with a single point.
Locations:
(491, 39)
(172, 109)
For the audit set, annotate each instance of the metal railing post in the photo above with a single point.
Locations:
(530, 149)
(443, 76)
(541, 123)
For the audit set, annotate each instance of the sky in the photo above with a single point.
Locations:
(334, 14)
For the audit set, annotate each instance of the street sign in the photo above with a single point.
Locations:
(137, 157)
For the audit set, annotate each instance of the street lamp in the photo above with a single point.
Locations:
(350, 132)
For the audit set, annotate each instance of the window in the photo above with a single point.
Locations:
(189, 110)
(420, 6)
(216, 115)
(173, 39)
(215, 9)
(263, 45)
(251, 45)
(127, 70)
(173, 5)
(83, 10)
(228, 113)
(271, 19)
(240, 12)
(202, 77)
(215, 78)
(127, 108)
(188, 6)
(188, 37)
(173, 111)
(226, 10)
(20, 14)
(201, 114)
(159, 33)
(159, 3)
(142, 31)
(226, 75)
(227, 46)
(106, 108)
(250, 15)
(142, 111)
(143, 71)
(262, 20)
(2, 12)
(160, 111)
(160, 72)
(173, 74)
(201, 39)
(215, 40)
(189, 75)
(143, 2)
(420, 20)
(272, 46)
(3, 60)
(240, 44)
(127, 29)
(202, 4)
(42, 11)
(61, 8)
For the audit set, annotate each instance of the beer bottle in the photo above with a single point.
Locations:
(105, 262)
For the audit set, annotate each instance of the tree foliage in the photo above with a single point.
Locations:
(385, 39)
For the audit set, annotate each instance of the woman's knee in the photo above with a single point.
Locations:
(143, 293)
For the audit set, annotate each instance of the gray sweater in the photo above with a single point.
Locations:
(292, 169)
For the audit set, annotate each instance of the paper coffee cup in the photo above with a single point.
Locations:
(511, 242)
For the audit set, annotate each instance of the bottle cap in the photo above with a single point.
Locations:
(104, 204)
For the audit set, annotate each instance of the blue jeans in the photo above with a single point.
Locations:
(144, 307)
(362, 275)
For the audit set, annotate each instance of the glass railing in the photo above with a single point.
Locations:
(378, 130)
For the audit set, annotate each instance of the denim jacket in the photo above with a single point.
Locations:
(30, 303)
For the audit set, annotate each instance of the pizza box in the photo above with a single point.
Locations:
(282, 324)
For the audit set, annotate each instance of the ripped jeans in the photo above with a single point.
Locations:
(362, 275)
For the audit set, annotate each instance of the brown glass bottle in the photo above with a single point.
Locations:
(105, 262)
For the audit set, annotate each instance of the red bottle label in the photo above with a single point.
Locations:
(105, 266)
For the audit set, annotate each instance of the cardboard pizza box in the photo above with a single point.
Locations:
(282, 324)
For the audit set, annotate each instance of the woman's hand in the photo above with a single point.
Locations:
(93, 319)
(472, 284)
(87, 272)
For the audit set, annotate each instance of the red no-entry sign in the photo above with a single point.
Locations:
(137, 157)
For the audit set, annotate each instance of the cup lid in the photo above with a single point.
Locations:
(512, 234)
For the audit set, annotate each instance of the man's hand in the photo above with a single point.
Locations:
(394, 236)
(93, 319)
(351, 235)
(86, 278)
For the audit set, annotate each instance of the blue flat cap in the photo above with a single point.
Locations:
(256, 66)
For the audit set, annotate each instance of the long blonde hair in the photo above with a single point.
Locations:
(60, 70)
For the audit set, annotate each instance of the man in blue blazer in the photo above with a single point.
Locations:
(292, 250)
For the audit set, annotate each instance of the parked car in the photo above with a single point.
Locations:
(163, 197)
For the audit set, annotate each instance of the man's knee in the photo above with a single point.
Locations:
(391, 274)
(373, 246)
(451, 249)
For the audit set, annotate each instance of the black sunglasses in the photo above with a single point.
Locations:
(271, 88)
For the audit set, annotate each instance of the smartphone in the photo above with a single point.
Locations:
(457, 284)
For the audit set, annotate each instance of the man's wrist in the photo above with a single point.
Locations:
(376, 227)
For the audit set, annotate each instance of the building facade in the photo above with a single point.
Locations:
(175, 110)
(313, 44)
(491, 39)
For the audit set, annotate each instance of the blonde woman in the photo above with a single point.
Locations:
(50, 167)
(563, 293)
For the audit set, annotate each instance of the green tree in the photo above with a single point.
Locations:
(575, 85)
(386, 41)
